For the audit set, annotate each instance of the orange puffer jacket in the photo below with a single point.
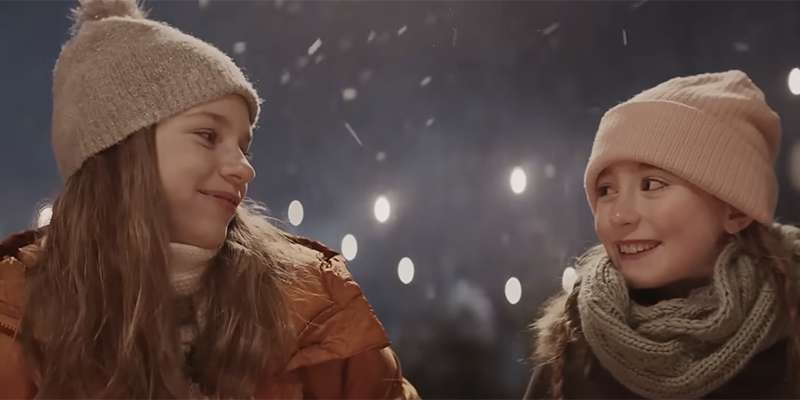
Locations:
(342, 350)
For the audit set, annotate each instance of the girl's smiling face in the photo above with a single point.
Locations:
(658, 229)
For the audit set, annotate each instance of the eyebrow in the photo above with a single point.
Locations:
(218, 118)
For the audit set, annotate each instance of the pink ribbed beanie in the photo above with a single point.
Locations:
(714, 130)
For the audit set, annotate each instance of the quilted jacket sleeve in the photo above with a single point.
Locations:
(344, 352)
(15, 382)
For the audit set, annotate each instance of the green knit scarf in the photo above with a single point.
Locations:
(688, 347)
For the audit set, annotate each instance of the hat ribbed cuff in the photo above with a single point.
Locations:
(690, 144)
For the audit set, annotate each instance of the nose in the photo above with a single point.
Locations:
(238, 171)
(624, 212)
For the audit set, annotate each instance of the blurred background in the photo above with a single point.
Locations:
(440, 145)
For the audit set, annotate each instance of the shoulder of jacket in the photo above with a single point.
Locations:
(17, 253)
(332, 317)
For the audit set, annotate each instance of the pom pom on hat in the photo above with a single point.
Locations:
(93, 10)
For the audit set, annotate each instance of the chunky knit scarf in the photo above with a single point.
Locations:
(688, 347)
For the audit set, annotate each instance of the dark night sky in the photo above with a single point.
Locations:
(510, 84)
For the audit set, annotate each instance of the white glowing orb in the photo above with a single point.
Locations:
(45, 213)
(405, 270)
(513, 290)
(794, 81)
(349, 247)
(382, 209)
(568, 279)
(349, 94)
(296, 212)
(518, 180)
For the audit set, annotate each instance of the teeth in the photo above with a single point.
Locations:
(634, 248)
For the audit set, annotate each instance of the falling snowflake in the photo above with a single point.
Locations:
(285, 77)
(371, 36)
(624, 37)
(380, 156)
(204, 3)
(455, 36)
(314, 47)
(425, 81)
(349, 94)
(402, 30)
(429, 122)
(353, 134)
(240, 47)
(550, 29)
(318, 59)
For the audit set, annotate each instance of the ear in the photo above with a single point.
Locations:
(735, 220)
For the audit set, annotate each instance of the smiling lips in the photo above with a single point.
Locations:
(636, 248)
(227, 200)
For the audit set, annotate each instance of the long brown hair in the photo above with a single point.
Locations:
(99, 320)
(760, 243)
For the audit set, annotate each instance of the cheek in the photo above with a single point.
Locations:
(702, 236)
(180, 187)
(602, 226)
(693, 237)
(174, 179)
(184, 169)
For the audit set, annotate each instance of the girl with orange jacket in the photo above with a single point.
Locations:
(154, 279)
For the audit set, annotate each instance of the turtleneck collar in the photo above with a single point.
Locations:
(187, 265)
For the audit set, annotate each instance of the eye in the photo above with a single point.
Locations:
(650, 184)
(248, 154)
(209, 135)
(604, 190)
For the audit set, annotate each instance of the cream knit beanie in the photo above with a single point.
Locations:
(714, 130)
(121, 72)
